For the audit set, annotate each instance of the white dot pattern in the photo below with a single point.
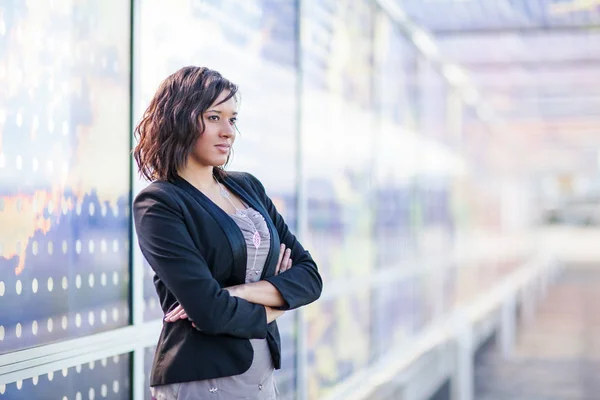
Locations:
(65, 278)
(103, 382)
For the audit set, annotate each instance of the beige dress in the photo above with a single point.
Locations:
(258, 382)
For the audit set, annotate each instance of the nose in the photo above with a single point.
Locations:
(227, 129)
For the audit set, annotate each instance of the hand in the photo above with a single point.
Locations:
(175, 314)
(179, 313)
(285, 262)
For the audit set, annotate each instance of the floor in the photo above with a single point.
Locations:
(558, 353)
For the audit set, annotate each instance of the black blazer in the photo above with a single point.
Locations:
(196, 249)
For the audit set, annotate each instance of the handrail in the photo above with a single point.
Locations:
(362, 384)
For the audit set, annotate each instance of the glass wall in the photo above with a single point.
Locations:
(64, 170)
(337, 140)
(107, 378)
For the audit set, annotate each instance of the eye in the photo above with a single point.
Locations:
(213, 118)
(232, 121)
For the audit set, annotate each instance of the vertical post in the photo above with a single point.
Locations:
(463, 380)
(301, 203)
(136, 259)
(508, 325)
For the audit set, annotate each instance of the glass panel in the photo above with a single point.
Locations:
(394, 315)
(338, 340)
(338, 146)
(148, 359)
(285, 378)
(109, 378)
(395, 162)
(64, 162)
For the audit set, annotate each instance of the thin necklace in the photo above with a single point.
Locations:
(256, 238)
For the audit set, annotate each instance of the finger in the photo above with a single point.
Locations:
(176, 315)
(281, 251)
(193, 324)
(286, 258)
(173, 313)
(183, 316)
(288, 265)
(175, 310)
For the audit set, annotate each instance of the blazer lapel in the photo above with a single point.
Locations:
(230, 229)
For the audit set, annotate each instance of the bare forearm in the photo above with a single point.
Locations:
(261, 292)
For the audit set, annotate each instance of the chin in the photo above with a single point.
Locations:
(219, 163)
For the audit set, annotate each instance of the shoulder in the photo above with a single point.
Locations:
(157, 189)
(157, 193)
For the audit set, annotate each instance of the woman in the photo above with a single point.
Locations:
(226, 264)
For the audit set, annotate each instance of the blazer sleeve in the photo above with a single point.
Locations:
(301, 284)
(169, 249)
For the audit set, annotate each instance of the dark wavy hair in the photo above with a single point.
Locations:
(173, 121)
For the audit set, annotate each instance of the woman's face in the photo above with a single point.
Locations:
(214, 145)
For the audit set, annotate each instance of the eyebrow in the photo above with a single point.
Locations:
(219, 112)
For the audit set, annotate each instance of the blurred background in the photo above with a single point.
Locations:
(439, 158)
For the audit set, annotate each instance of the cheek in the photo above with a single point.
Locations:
(201, 146)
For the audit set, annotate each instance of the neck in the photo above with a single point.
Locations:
(200, 177)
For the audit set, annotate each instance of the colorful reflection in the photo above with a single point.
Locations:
(64, 170)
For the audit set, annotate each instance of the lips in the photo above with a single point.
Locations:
(223, 147)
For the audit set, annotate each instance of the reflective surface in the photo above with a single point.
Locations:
(64, 166)
(108, 378)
